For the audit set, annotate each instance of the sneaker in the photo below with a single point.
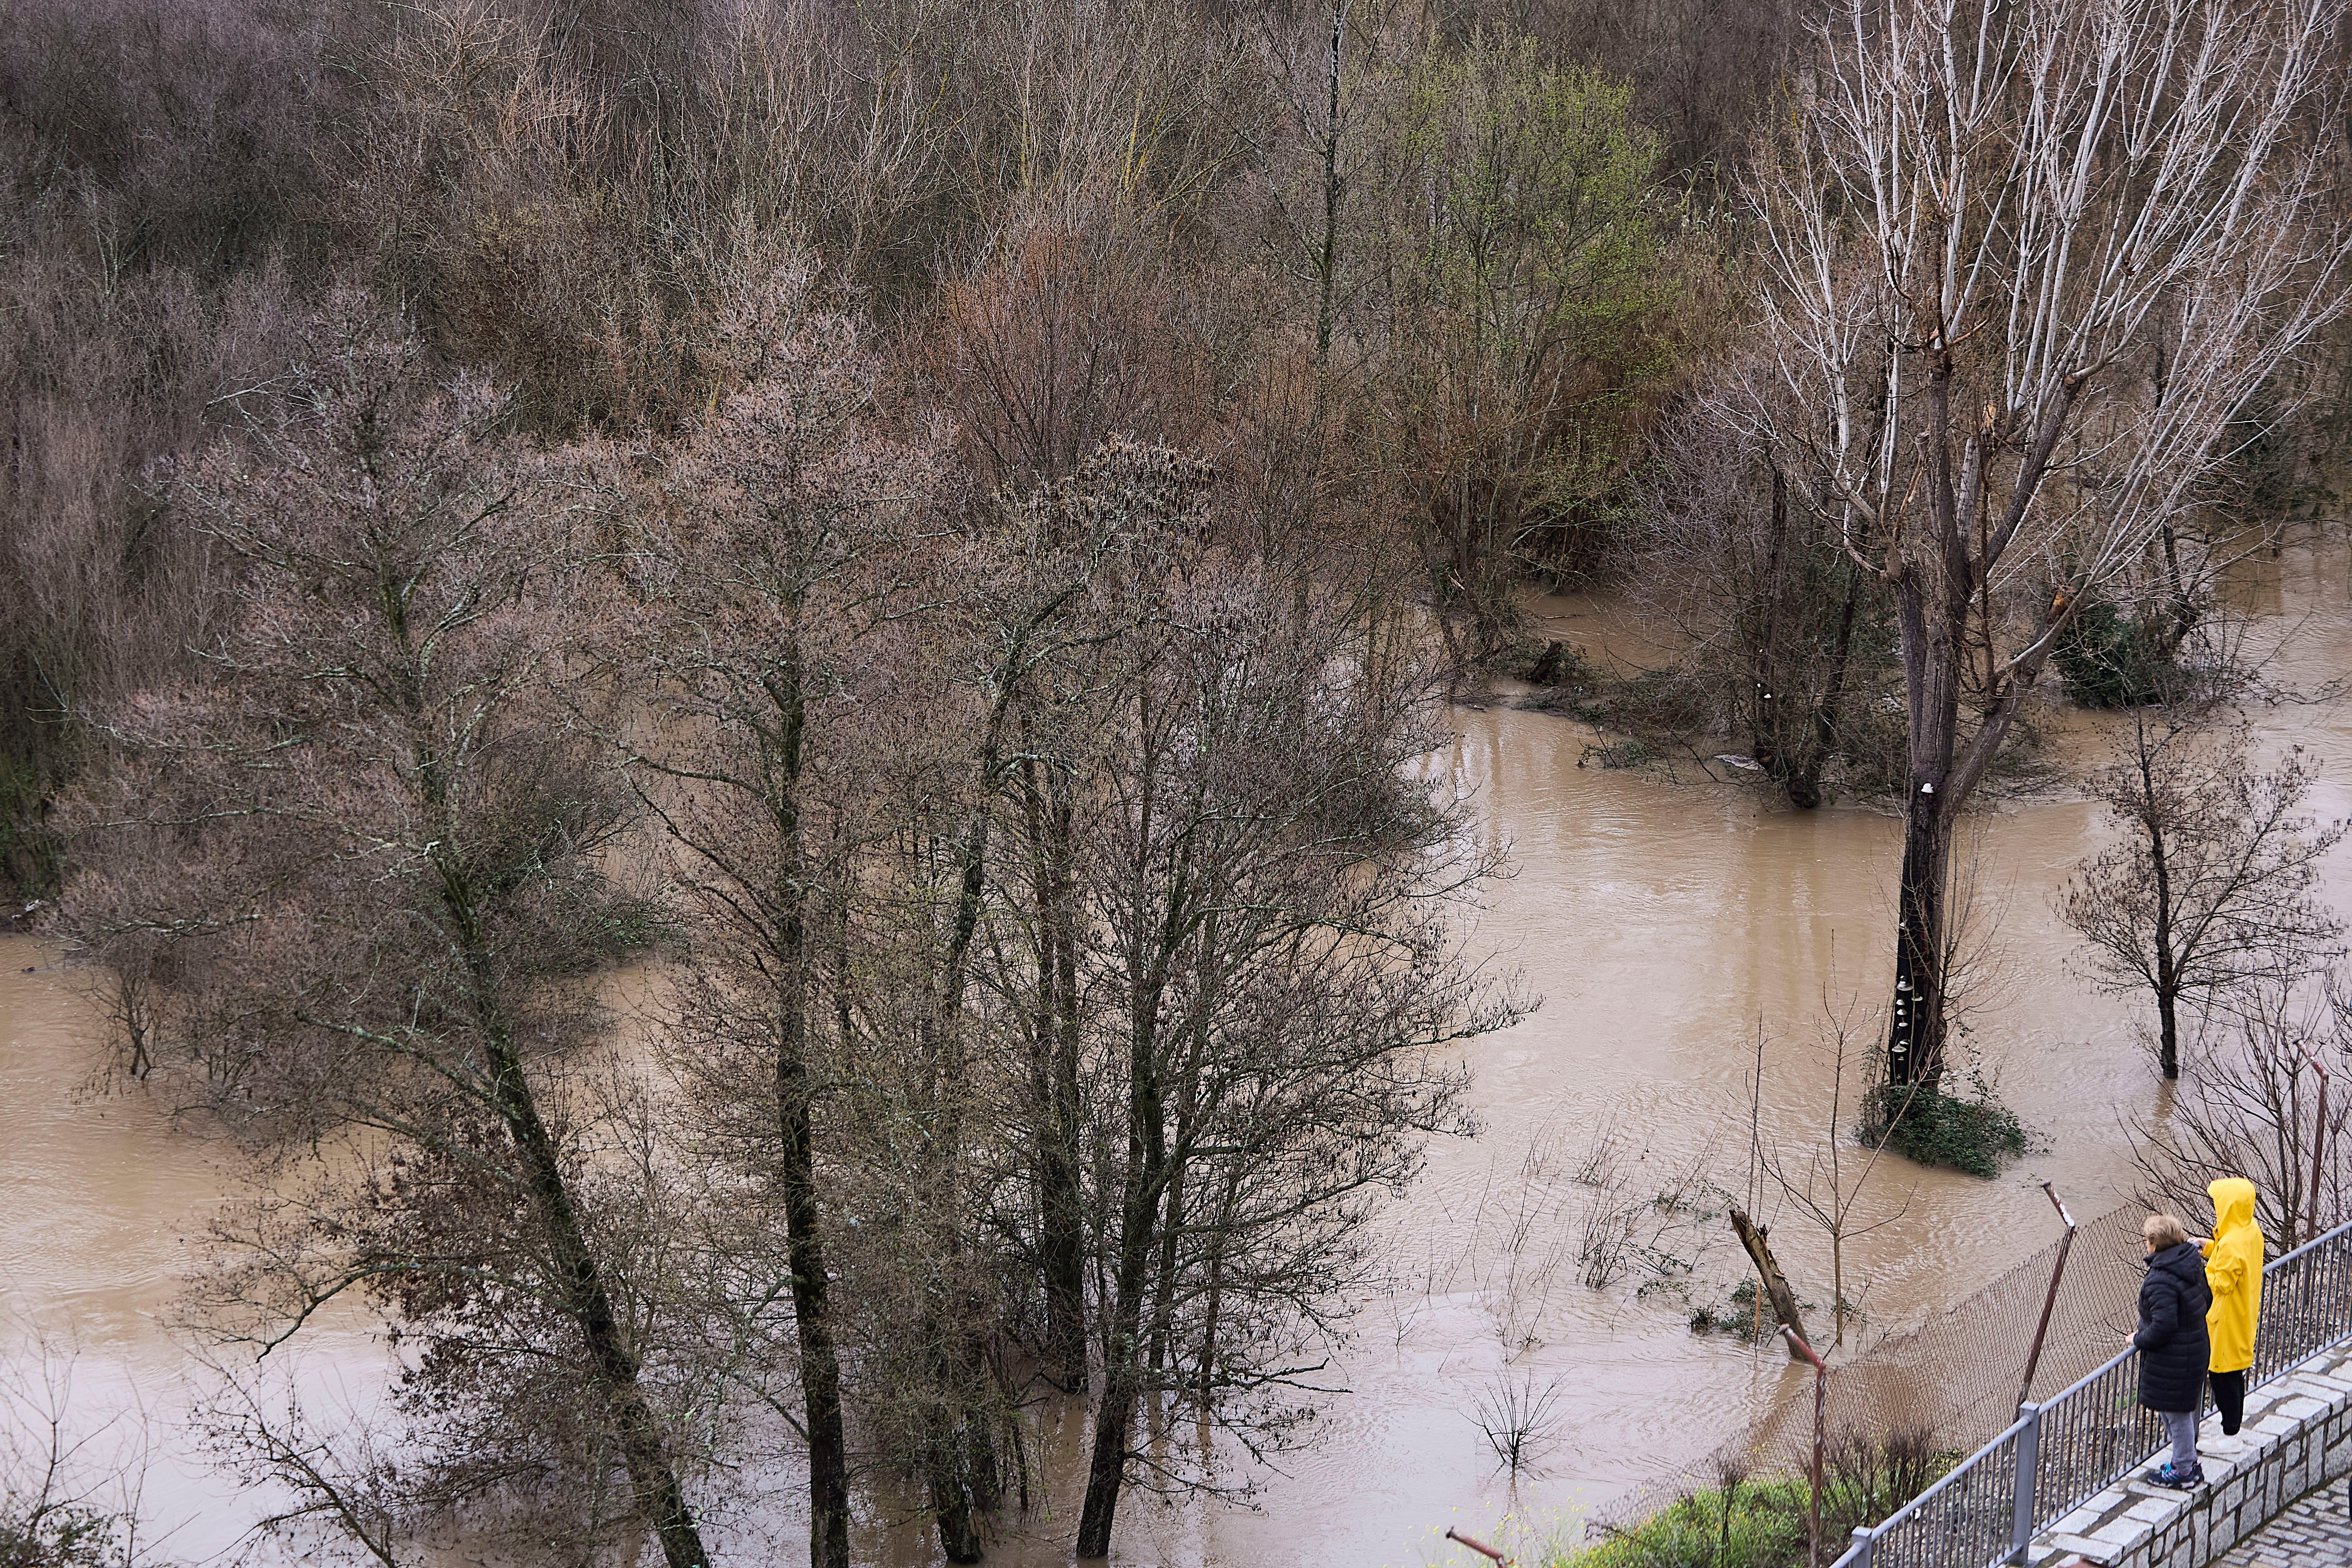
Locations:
(2163, 1475)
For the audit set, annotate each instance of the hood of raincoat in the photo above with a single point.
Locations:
(2233, 1272)
(2233, 1203)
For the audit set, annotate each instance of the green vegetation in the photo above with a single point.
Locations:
(2108, 661)
(52, 1536)
(1518, 268)
(1973, 1134)
(1761, 1523)
(31, 862)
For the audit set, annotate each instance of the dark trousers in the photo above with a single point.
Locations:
(2229, 1397)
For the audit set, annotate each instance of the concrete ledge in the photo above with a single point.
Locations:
(2298, 1434)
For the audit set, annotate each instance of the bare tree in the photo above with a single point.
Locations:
(1984, 229)
(70, 1481)
(2212, 888)
(2251, 1107)
(1277, 980)
(1826, 1181)
(1517, 1418)
(765, 552)
(1786, 626)
(378, 849)
(1065, 334)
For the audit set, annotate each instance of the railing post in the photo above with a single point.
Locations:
(1867, 1542)
(2028, 1455)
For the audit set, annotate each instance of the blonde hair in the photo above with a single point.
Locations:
(2162, 1231)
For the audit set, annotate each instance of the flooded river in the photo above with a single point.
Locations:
(1665, 920)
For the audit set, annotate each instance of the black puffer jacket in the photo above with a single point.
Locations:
(2171, 1338)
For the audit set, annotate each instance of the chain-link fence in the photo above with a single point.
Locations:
(2034, 1453)
(2059, 1454)
(1957, 1377)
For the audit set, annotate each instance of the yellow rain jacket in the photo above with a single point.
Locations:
(2233, 1271)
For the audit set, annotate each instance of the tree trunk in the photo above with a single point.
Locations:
(1914, 1047)
(581, 1293)
(1326, 260)
(1164, 1304)
(1935, 621)
(950, 1505)
(1054, 1085)
(1146, 1157)
(961, 1470)
(1106, 1467)
(2167, 972)
(983, 1476)
(1219, 1228)
(1066, 1217)
(820, 1368)
(812, 1319)
(1805, 781)
(584, 1298)
(1770, 701)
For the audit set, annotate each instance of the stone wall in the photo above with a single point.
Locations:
(2298, 1434)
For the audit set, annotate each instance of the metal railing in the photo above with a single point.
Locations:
(2067, 1449)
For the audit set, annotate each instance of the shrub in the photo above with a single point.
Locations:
(2106, 660)
(1761, 1523)
(1929, 1128)
(51, 1537)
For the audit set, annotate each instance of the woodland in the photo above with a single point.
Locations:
(745, 684)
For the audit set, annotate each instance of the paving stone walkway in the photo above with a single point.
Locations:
(2314, 1532)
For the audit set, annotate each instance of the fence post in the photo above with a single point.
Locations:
(2028, 1455)
(1867, 1544)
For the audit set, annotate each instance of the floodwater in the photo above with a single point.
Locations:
(1681, 926)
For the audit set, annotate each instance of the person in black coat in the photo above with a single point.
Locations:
(2173, 1351)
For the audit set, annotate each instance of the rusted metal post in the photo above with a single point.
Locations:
(1480, 1547)
(2318, 1145)
(2057, 1272)
(1798, 1346)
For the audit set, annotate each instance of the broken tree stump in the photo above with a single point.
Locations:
(1756, 1239)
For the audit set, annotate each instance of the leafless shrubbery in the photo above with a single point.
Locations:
(107, 587)
(2249, 1106)
(1611, 1212)
(1825, 1171)
(1587, 1204)
(1788, 634)
(2209, 896)
(1518, 1420)
(69, 1490)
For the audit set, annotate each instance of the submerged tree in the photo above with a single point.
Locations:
(2212, 888)
(2253, 1107)
(761, 568)
(1275, 981)
(373, 853)
(1785, 624)
(2025, 261)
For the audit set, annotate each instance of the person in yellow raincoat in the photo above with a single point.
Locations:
(2233, 1272)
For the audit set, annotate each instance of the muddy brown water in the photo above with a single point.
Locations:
(1665, 920)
